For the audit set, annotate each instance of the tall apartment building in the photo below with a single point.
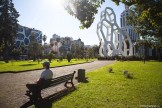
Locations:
(78, 42)
(127, 27)
(133, 35)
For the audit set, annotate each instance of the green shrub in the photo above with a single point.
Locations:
(50, 56)
(69, 57)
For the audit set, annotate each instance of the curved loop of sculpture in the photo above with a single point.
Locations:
(115, 40)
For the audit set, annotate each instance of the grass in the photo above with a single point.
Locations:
(17, 66)
(113, 90)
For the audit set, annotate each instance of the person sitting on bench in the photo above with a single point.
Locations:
(43, 81)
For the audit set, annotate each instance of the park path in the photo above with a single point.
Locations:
(12, 85)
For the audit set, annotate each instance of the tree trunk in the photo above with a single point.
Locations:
(144, 56)
(5, 53)
(159, 54)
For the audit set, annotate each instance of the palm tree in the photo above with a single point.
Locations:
(44, 38)
(56, 47)
(58, 42)
(51, 43)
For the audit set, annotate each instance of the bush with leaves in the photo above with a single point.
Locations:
(50, 56)
(69, 57)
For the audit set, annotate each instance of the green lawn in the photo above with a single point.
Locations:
(113, 90)
(29, 65)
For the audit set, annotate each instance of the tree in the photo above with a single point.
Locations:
(77, 51)
(147, 14)
(44, 38)
(83, 10)
(143, 44)
(51, 42)
(63, 51)
(15, 54)
(146, 18)
(92, 52)
(69, 57)
(8, 27)
(56, 46)
(35, 50)
(50, 56)
(95, 49)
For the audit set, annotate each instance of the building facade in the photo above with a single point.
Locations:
(24, 37)
(128, 28)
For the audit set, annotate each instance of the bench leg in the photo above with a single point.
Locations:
(70, 83)
(66, 84)
(34, 92)
(34, 96)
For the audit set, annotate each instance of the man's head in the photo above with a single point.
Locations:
(46, 64)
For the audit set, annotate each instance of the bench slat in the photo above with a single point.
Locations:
(66, 76)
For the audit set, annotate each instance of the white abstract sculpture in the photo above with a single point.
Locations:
(113, 40)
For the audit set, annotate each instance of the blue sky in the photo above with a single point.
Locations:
(50, 17)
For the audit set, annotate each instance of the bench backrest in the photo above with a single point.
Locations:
(61, 79)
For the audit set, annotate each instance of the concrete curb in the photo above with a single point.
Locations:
(15, 72)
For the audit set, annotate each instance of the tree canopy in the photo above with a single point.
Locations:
(146, 18)
(8, 25)
(83, 10)
(146, 14)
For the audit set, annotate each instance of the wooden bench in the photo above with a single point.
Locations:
(67, 79)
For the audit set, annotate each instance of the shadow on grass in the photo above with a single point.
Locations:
(47, 102)
(27, 64)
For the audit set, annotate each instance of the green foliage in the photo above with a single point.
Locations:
(50, 56)
(60, 58)
(110, 69)
(77, 51)
(105, 90)
(92, 52)
(15, 53)
(44, 38)
(69, 57)
(35, 50)
(83, 10)
(146, 17)
(63, 51)
(127, 75)
(8, 26)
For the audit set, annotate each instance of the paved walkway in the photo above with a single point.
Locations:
(12, 85)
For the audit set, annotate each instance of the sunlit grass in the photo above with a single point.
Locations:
(113, 90)
(16, 66)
